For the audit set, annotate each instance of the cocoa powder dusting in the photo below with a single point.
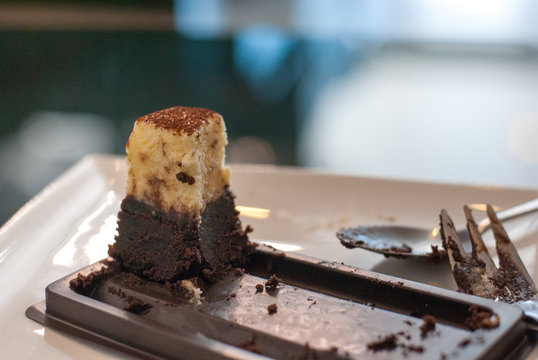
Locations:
(180, 119)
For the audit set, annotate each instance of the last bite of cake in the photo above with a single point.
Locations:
(178, 218)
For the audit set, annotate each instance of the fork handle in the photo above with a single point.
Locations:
(530, 309)
(510, 213)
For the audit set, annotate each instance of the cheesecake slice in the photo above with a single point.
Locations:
(178, 218)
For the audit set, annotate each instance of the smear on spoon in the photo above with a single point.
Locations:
(393, 241)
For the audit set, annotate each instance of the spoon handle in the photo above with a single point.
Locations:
(510, 213)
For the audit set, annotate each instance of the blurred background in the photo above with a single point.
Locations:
(429, 90)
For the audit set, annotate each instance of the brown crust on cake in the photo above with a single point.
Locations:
(179, 119)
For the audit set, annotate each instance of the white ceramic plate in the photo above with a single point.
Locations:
(71, 222)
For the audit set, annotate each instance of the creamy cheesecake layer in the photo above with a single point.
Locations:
(176, 159)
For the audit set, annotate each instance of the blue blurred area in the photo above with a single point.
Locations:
(507, 22)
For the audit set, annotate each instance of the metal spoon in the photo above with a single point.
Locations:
(404, 241)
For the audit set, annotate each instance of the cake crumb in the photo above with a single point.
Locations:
(118, 292)
(386, 343)
(437, 255)
(271, 309)
(481, 318)
(259, 288)
(137, 306)
(414, 348)
(427, 326)
(464, 342)
(390, 342)
(272, 282)
(86, 284)
(250, 345)
(188, 289)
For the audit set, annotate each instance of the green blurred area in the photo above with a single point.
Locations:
(122, 75)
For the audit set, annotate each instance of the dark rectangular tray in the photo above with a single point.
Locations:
(325, 310)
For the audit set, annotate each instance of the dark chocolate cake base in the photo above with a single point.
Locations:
(169, 246)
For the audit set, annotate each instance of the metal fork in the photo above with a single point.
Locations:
(477, 274)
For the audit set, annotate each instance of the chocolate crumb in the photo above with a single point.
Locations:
(481, 318)
(259, 288)
(404, 249)
(453, 246)
(464, 342)
(437, 255)
(271, 309)
(118, 292)
(386, 343)
(415, 348)
(407, 322)
(86, 284)
(427, 326)
(181, 289)
(250, 345)
(184, 178)
(231, 296)
(272, 283)
(137, 306)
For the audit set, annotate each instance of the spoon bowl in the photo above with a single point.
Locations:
(404, 241)
(395, 241)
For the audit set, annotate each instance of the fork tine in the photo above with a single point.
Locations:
(451, 240)
(517, 278)
(469, 273)
(480, 251)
